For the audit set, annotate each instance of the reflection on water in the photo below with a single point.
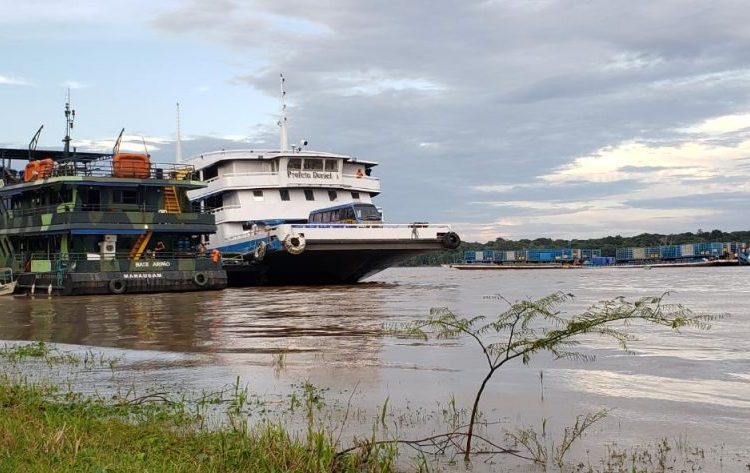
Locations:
(695, 384)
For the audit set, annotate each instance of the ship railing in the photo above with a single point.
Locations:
(149, 255)
(65, 208)
(160, 171)
(371, 225)
(242, 174)
(221, 209)
(360, 177)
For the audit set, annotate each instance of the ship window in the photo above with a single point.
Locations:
(90, 199)
(231, 198)
(332, 165)
(355, 195)
(294, 163)
(211, 172)
(309, 194)
(215, 202)
(284, 193)
(258, 195)
(332, 195)
(313, 164)
(126, 197)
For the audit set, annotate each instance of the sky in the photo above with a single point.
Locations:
(513, 118)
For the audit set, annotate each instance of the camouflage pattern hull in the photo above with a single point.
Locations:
(79, 283)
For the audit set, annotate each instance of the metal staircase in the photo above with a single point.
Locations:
(171, 201)
(140, 245)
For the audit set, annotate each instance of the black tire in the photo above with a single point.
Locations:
(200, 279)
(451, 240)
(117, 286)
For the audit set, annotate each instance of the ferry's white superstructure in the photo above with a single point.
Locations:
(254, 185)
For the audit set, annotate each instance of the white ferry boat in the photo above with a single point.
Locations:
(294, 216)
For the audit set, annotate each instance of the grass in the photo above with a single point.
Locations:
(46, 427)
(43, 430)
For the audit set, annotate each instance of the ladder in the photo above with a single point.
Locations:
(140, 245)
(171, 201)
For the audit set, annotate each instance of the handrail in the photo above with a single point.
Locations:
(223, 208)
(119, 255)
(70, 208)
(370, 225)
(242, 174)
(159, 171)
(363, 178)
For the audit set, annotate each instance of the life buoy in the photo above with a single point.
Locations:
(215, 256)
(260, 251)
(451, 240)
(117, 286)
(294, 244)
(200, 279)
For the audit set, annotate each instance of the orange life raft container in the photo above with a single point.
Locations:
(40, 169)
(135, 165)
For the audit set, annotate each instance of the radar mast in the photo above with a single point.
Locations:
(70, 116)
(178, 143)
(282, 120)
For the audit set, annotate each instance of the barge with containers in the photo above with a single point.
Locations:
(545, 258)
(665, 256)
(74, 223)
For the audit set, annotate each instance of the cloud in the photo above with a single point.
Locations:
(9, 80)
(524, 118)
(73, 85)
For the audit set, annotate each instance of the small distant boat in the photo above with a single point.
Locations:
(7, 284)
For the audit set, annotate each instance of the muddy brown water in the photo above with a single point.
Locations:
(694, 385)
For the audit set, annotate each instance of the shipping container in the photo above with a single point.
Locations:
(624, 254)
(547, 255)
(709, 249)
(602, 260)
(587, 254)
(687, 251)
(670, 252)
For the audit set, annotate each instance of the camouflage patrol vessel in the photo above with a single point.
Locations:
(76, 223)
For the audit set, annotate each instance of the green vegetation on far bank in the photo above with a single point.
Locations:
(608, 244)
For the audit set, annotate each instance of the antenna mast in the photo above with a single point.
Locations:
(70, 116)
(178, 144)
(282, 120)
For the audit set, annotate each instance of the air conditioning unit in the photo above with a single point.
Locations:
(110, 238)
(107, 249)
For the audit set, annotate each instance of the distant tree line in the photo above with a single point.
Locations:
(608, 244)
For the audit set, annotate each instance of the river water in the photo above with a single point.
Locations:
(693, 386)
